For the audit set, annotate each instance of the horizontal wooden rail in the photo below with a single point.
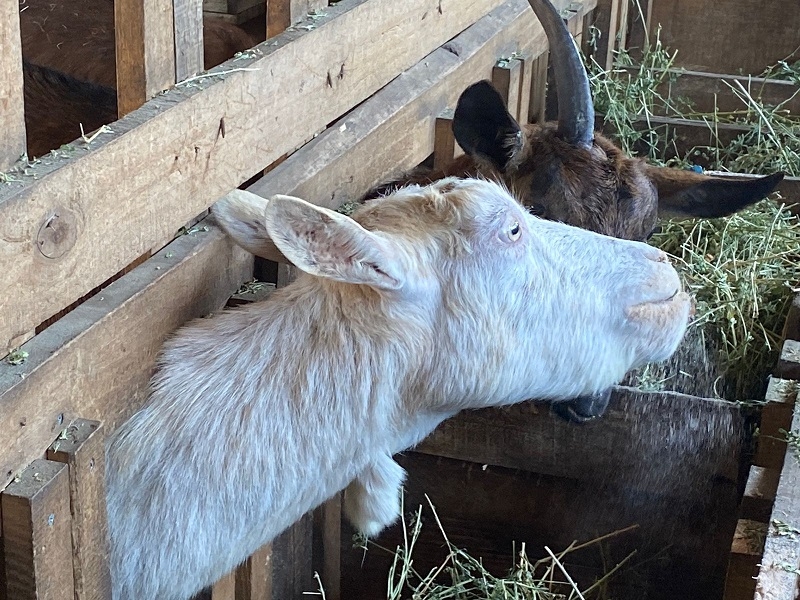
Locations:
(712, 91)
(99, 208)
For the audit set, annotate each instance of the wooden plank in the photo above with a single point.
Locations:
(638, 428)
(759, 494)
(780, 565)
(188, 21)
(36, 533)
(292, 572)
(282, 14)
(254, 577)
(96, 362)
(81, 446)
(789, 362)
(746, 549)
(746, 35)
(394, 130)
(170, 160)
(680, 136)
(640, 17)
(12, 117)
(444, 141)
(225, 588)
(327, 546)
(525, 87)
(711, 91)
(507, 78)
(776, 414)
(791, 330)
(538, 105)
(606, 21)
(145, 50)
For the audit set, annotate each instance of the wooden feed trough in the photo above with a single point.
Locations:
(370, 83)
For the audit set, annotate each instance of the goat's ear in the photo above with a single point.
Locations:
(241, 216)
(328, 244)
(689, 194)
(484, 128)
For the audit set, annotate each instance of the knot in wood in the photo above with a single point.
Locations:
(57, 233)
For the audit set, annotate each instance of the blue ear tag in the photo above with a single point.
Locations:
(696, 168)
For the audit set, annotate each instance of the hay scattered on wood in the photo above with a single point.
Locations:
(462, 576)
(743, 270)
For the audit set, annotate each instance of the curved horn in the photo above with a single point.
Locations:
(575, 108)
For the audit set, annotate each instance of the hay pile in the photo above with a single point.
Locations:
(743, 270)
(461, 576)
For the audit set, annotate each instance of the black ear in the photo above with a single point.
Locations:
(689, 194)
(484, 128)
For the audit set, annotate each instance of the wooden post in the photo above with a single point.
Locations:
(254, 577)
(538, 101)
(188, 38)
(37, 534)
(282, 14)
(444, 142)
(81, 446)
(225, 588)
(327, 546)
(525, 87)
(506, 77)
(775, 415)
(12, 116)
(746, 549)
(145, 43)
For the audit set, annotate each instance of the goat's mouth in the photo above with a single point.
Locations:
(673, 304)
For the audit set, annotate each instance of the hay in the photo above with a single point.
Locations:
(743, 270)
(463, 577)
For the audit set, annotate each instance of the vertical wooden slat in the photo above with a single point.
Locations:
(37, 535)
(81, 446)
(285, 13)
(327, 546)
(444, 142)
(145, 46)
(12, 116)
(525, 85)
(538, 102)
(225, 588)
(188, 38)
(292, 571)
(254, 577)
(775, 415)
(506, 77)
(746, 549)
(641, 14)
(607, 22)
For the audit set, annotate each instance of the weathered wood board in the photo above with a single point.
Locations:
(639, 430)
(12, 118)
(727, 36)
(144, 32)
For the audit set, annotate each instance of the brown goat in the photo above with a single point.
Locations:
(76, 37)
(70, 67)
(57, 105)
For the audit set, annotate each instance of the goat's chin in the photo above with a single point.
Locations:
(663, 324)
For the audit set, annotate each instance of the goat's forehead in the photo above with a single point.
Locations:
(449, 203)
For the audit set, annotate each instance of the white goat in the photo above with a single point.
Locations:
(428, 301)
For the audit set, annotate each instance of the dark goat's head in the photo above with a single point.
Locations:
(566, 172)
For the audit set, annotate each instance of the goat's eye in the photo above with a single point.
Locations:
(514, 232)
